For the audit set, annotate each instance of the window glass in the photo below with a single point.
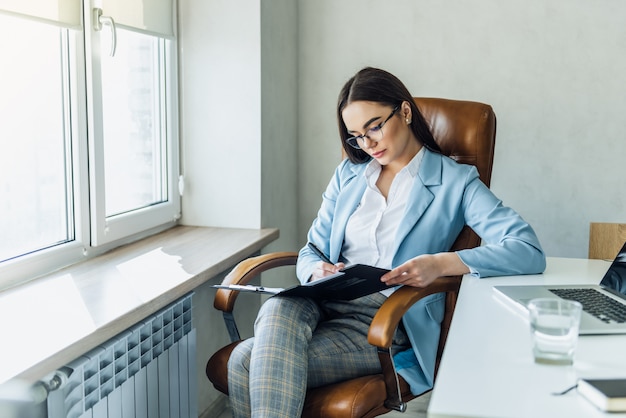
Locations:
(35, 160)
(134, 163)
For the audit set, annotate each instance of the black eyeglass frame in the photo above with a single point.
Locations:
(353, 141)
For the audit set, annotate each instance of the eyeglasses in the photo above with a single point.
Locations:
(374, 133)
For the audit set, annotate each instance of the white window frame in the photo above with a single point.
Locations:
(93, 233)
(110, 229)
(38, 262)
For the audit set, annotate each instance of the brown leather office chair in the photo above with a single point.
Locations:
(466, 132)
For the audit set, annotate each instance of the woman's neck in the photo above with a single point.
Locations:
(399, 163)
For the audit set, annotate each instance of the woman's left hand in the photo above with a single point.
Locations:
(424, 269)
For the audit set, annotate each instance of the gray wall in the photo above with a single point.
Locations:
(239, 135)
(260, 78)
(260, 81)
(238, 93)
(554, 71)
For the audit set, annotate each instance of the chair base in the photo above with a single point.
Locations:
(362, 397)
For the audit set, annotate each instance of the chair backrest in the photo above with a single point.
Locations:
(466, 132)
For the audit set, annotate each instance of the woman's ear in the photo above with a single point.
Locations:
(405, 111)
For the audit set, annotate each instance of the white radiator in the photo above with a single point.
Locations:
(148, 371)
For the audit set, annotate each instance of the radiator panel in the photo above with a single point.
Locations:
(148, 371)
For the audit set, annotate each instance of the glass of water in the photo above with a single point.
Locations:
(554, 325)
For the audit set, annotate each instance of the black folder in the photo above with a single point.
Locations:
(350, 283)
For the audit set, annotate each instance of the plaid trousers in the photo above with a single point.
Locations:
(300, 343)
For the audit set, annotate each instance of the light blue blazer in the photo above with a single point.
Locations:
(445, 197)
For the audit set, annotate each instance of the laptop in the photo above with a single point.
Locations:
(604, 305)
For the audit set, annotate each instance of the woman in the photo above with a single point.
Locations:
(395, 203)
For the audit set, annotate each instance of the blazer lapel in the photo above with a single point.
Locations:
(421, 197)
(352, 189)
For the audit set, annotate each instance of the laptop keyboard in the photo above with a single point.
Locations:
(595, 303)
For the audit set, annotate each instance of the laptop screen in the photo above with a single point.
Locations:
(615, 278)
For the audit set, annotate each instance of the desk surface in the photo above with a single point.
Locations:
(487, 369)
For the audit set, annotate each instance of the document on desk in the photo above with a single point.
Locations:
(350, 283)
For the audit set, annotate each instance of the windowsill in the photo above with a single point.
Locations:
(51, 321)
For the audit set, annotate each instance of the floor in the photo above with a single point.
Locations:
(416, 409)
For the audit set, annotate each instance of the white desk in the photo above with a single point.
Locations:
(487, 369)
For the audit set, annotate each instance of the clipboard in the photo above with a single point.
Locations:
(350, 283)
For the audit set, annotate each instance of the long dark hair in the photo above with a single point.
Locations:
(375, 85)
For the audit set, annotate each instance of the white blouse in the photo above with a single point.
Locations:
(371, 229)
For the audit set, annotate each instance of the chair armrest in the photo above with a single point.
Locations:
(385, 323)
(247, 270)
(386, 320)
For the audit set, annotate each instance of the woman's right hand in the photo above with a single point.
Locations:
(323, 269)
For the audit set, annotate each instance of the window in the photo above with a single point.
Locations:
(36, 211)
(89, 135)
(133, 137)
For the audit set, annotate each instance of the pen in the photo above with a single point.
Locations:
(319, 253)
(242, 287)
